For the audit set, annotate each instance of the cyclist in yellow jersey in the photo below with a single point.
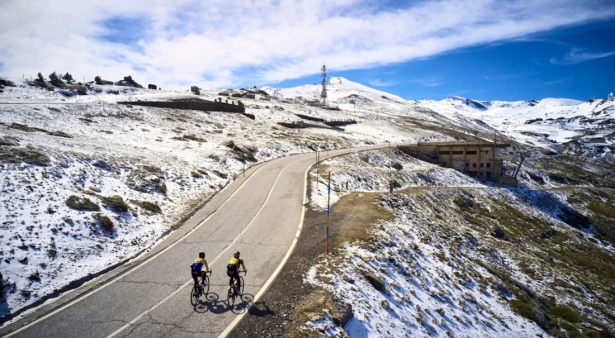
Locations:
(232, 270)
(197, 266)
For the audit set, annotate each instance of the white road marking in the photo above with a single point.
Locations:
(213, 261)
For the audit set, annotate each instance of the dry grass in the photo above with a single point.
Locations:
(309, 308)
(354, 215)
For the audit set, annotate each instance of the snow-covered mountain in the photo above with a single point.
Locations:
(339, 89)
(87, 183)
(557, 124)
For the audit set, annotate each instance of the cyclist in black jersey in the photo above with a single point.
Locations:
(233, 269)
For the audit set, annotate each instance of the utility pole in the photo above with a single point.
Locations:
(328, 209)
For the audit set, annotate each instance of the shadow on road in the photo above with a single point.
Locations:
(213, 304)
(203, 304)
(260, 309)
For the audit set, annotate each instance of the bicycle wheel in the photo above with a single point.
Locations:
(194, 295)
(230, 296)
(242, 283)
(206, 287)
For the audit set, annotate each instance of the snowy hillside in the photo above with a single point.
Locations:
(561, 125)
(451, 262)
(87, 183)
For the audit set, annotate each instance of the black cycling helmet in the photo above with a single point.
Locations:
(201, 255)
(236, 254)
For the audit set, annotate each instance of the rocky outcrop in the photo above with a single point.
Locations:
(128, 82)
(375, 281)
(342, 312)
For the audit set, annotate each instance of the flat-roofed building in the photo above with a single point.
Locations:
(478, 159)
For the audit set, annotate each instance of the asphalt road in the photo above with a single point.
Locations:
(259, 214)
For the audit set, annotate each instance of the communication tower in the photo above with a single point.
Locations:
(323, 93)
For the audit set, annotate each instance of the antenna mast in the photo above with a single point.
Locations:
(323, 93)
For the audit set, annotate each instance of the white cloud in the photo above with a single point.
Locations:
(577, 55)
(382, 83)
(215, 44)
(427, 82)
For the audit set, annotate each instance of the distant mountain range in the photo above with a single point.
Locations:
(556, 124)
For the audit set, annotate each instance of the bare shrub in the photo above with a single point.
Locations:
(104, 222)
(115, 203)
(81, 204)
(149, 206)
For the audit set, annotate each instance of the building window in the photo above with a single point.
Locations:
(487, 152)
(471, 152)
(444, 164)
(488, 165)
(467, 165)
(458, 152)
(473, 165)
(481, 165)
(445, 153)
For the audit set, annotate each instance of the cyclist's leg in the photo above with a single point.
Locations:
(195, 277)
(238, 283)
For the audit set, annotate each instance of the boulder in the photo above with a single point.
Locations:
(499, 234)
(375, 281)
(229, 144)
(342, 312)
(7, 83)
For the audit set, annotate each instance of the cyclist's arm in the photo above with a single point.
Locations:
(244, 267)
(206, 266)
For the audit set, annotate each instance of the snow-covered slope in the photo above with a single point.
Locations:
(444, 271)
(338, 88)
(550, 123)
(141, 169)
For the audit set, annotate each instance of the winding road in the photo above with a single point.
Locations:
(259, 214)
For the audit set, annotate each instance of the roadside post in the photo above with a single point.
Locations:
(328, 209)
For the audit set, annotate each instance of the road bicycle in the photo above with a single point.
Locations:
(197, 291)
(232, 289)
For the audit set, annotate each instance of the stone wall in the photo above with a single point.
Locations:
(191, 105)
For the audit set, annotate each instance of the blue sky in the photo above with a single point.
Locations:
(417, 49)
(575, 62)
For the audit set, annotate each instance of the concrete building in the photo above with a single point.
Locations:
(478, 159)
